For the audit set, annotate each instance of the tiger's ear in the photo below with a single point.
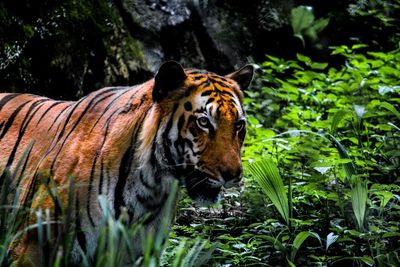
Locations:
(243, 76)
(169, 77)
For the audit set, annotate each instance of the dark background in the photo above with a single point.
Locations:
(66, 48)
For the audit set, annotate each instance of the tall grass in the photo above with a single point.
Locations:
(117, 241)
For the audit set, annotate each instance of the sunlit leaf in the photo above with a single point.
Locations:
(330, 239)
(302, 17)
(359, 194)
(267, 176)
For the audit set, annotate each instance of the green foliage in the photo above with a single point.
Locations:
(116, 241)
(335, 136)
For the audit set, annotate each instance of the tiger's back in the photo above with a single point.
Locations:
(61, 139)
(65, 136)
(127, 144)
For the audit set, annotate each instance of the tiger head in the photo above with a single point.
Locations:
(201, 139)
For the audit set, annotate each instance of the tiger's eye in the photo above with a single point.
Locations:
(240, 125)
(203, 122)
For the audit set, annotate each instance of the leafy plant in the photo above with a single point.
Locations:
(304, 24)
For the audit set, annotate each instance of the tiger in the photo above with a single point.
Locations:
(128, 144)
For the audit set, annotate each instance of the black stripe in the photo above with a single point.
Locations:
(144, 182)
(90, 105)
(208, 92)
(216, 77)
(47, 110)
(102, 172)
(181, 122)
(25, 164)
(92, 172)
(125, 167)
(11, 119)
(198, 77)
(166, 141)
(220, 83)
(28, 117)
(6, 99)
(211, 99)
(122, 177)
(148, 204)
(58, 115)
(107, 108)
(223, 92)
(24, 125)
(80, 236)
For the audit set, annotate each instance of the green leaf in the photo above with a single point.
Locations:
(316, 28)
(368, 261)
(358, 46)
(330, 239)
(359, 194)
(384, 196)
(301, 17)
(266, 174)
(319, 65)
(337, 118)
(391, 108)
(299, 240)
(290, 263)
(304, 59)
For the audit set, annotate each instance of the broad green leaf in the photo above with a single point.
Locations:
(302, 18)
(359, 194)
(299, 240)
(319, 65)
(304, 59)
(266, 174)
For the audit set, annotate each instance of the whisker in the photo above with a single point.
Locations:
(177, 165)
(197, 183)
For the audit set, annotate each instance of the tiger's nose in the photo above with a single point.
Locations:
(231, 176)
